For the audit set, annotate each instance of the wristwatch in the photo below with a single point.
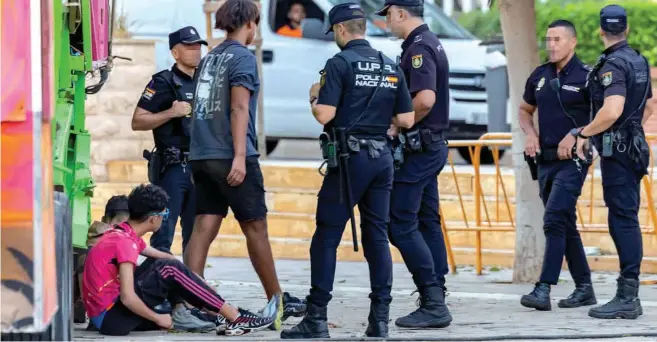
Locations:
(579, 134)
(574, 132)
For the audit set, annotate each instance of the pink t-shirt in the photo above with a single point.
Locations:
(100, 285)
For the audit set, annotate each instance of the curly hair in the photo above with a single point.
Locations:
(234, 14)
(146, 200)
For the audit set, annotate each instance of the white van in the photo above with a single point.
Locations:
(292, 65)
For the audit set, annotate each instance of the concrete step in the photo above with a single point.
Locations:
(302, 226)
(455, 208)
(304, 176)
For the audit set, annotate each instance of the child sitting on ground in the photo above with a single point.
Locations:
(116, 212)
(120, 296)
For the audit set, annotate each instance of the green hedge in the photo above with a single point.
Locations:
(642, 17)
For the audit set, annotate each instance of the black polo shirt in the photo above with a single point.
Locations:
(553, 122)
(425, 66)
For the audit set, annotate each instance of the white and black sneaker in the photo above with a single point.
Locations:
(222, 324)
(247, 322)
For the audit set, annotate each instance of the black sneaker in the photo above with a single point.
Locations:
(164, 308)
(247, 322)
(293, 306)
(202, 315)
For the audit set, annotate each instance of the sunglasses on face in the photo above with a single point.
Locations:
(164, 214)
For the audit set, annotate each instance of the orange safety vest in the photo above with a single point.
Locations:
(289, 31)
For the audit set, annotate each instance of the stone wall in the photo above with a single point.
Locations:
(109, 112)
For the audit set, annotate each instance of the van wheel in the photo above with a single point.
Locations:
(486, 156)
(63, 320)
(271, 145)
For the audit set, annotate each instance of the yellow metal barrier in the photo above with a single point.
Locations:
(483, 222)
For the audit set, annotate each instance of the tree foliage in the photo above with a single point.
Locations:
(585, 14)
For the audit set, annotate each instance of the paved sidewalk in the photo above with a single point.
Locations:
(483, 307)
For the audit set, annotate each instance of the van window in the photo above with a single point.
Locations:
(282, 7)
(439, 23)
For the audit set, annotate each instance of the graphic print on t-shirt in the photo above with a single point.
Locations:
(210, 84)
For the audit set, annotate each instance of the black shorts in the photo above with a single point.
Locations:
(214, 195)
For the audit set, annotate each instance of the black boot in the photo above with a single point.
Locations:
(539, 298)
(625, 304)
(313, 325)
(432, 313)
(378, 320)
(582, 296)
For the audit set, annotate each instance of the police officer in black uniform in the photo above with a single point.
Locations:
(620, 86)
(558, 90)
(415, 227)
(360, 93)
(165, 108)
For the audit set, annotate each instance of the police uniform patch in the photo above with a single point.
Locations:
(540, 83)
(322, 79)
(606, 78)
(416, 61)
(148, 94)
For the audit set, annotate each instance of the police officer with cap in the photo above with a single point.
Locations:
(415, 227)
(620, 86)
(359, 94)
(165, 108)
(558, 90)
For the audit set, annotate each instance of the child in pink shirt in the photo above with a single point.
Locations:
(120, 296)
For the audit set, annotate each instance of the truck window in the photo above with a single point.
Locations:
(289, 13)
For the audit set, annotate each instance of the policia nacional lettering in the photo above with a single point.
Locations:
(368, 75)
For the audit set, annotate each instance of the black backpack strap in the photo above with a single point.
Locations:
(170, 79)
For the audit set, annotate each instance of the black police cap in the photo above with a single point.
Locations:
(343, 12)
(613, 19)
(403, 3)
(187, 35)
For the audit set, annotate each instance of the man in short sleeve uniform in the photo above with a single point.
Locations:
(557, 90)
(165, 108)
(620, 89)
(360, 93)
(415, 227)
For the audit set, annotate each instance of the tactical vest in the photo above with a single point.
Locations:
(638, 83)
(175, 132)
(373, 119)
